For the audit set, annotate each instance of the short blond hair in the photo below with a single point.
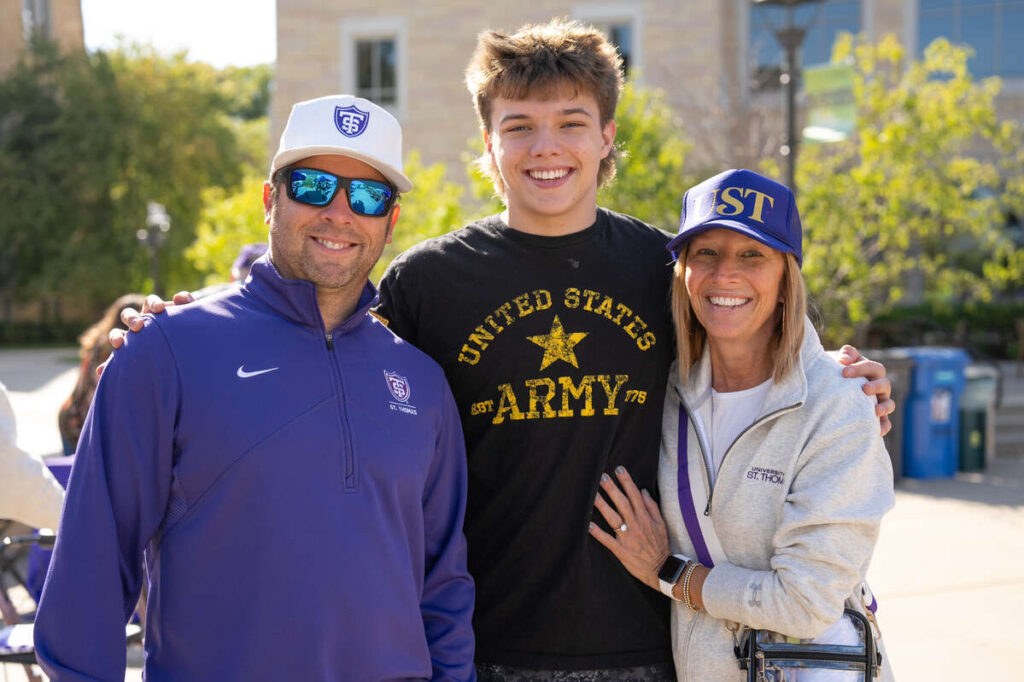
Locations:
(537, 61)
(787, 338)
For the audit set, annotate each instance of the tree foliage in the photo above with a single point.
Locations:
(650, 180)
(86, 140)
(914, 205)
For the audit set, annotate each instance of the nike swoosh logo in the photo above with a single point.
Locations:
(242, 374)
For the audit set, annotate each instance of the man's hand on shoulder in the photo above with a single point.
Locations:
(132, 318)
(878, 384)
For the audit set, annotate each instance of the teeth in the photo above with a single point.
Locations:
(728, 302)
(552, 174)
(332, 245)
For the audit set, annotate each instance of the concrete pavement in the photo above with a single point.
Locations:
(948, 571)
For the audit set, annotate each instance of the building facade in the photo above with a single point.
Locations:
(57, 20)
(717, 60)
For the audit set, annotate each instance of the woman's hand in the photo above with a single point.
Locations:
(643, 545)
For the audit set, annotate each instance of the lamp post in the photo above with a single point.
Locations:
(791, 38)
(158, 224)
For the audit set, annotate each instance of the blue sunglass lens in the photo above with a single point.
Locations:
(368, 197)
(310, 187)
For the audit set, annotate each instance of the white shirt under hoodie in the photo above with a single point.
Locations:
(795, 510)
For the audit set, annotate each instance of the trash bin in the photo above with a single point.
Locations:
(931, 435)
(898, 367)
(977, 417)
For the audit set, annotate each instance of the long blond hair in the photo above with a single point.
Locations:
(786, 340)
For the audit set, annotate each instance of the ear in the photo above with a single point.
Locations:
(268, 201)
(488, 143)
(392, 219)
(608, 136)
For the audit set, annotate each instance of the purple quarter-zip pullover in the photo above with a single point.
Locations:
(297, 495)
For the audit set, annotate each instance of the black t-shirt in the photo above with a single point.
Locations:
(557, 350)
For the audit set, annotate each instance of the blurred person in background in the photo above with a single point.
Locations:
(247, 255)
(94, 351)
(29, 493)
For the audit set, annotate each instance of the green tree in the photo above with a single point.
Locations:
(914, 204)
(650, 178)
(85, 142)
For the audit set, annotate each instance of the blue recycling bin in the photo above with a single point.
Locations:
(931, 437)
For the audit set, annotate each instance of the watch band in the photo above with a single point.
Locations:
(668, 575)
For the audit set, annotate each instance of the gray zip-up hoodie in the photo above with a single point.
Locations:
(793, 517)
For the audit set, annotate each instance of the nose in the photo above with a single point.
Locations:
(545, 142)
(338, 211)
(725, 270)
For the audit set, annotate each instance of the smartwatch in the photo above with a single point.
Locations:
(668, 574)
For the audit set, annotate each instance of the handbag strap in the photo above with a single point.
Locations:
(686, 506)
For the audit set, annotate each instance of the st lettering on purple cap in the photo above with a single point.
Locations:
(746, 202)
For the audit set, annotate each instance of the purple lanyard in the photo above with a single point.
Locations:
(686, 495)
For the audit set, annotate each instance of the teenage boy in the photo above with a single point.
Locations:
(550, 322)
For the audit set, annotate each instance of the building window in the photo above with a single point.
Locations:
(373, 63)
(375, 70)
(622, 24)
(993, 28)
(824, 22)
(35, 19)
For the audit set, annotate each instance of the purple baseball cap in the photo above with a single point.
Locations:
(745, 202)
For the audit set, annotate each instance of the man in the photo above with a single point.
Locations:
(551, 324)
(293, 473)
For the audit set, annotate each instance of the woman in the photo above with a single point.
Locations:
(94, 351)
(782, 478)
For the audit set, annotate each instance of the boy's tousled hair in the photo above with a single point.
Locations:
(539, 60)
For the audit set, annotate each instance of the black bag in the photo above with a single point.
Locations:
(767, 657)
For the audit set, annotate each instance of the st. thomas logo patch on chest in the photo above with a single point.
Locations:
(398, 385)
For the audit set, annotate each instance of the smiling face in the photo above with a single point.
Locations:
(330, 246)
(548, 152)
(734, 284)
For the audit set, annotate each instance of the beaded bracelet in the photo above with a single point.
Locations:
(690, 568)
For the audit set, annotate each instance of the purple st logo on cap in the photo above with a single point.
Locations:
(350, 121)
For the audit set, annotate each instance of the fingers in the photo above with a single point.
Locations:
(152, 304)
(652, 508)
(849, 355)
(100, 367)
(886, 425)
(132, 319)
(629, 487)
(869, 369)
(621, 502)
(611, 516)
(183, 297)
(885, 407)
(116, 338)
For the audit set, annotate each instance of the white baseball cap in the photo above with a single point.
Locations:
(347, 126)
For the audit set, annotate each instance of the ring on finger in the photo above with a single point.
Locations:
(623, 528)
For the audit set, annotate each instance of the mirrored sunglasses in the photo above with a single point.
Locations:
(318, 188)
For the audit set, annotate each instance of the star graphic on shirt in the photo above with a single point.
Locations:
(557, 344)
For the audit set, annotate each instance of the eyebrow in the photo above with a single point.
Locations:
(564, 112)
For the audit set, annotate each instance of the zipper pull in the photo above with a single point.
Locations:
(330, 342)
(707, 509)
